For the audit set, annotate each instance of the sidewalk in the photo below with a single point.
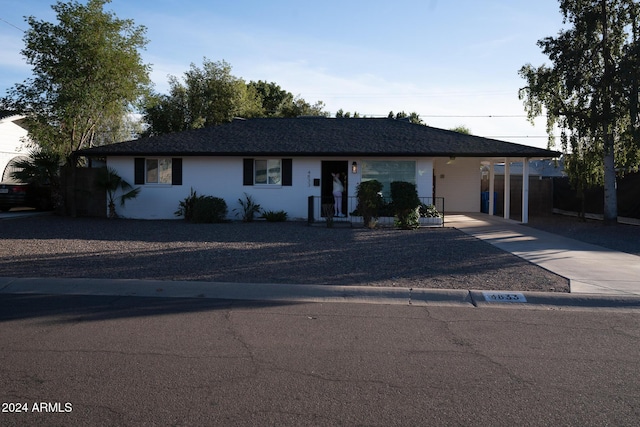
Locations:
(590, 269)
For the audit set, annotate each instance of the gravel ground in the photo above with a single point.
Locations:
(261, 252)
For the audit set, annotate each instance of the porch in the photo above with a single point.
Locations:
(322, 208)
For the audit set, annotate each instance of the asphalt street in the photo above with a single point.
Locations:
(114, 360)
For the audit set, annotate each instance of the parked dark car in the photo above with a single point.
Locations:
(14, 195)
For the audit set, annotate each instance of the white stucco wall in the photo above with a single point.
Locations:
(12, 142)
(223, 176)
(458, 181)
(219, 177)
(424, 178)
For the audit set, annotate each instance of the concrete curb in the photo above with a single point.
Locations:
(311, 293)
(551, 299)
(233, 291)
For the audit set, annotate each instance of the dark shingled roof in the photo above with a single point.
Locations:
(319, 136)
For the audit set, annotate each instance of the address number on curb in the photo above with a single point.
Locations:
(504, 297)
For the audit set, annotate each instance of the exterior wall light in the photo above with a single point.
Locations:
(354, 167)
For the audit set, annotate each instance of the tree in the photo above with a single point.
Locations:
(462, 129)
(412, 118)
(205, 96)
(583, 169)
(341, 114)
(87, 74)
(211, 95)
(277, 102)
(167, 113)
(274, 99)
(591, 90)
(300, 107)
(215, 96)
(117, 129)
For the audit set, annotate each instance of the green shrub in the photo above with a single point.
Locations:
(249, 208)
(406, 204)
(409, 220)
(185, 208)
(272, 216)
(429, 211)
(369, 201)
(202, 209)
(209, 209)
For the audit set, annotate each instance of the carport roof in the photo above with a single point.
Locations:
(319, 136)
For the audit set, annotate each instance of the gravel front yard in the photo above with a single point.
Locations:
(261, 252)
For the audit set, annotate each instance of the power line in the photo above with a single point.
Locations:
(12, 25)
(410, 94)
(519, 137)
(456, 116)
(489, 116)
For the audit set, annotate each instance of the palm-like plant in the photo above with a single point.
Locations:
(108, 180)
(249, 208)
(42, 170)
(40, 167)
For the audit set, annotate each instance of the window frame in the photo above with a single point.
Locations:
(173, 170)
(250, 171)
(164, 170)
(269, 164)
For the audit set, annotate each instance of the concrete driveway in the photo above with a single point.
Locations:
(591, 269)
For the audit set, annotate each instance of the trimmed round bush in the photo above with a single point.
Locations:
(406, 204)
(208, 209)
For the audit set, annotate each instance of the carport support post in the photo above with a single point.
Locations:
(507, 188)
(491, 186)
(525, 190)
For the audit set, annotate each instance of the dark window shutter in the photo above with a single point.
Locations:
(138, 171)
(287, 172)
(176, 171)
(247, 172)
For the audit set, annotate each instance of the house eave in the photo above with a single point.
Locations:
(532, 155)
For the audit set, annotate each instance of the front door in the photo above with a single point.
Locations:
(328, 168)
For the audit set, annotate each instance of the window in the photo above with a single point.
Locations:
(387, 172)
(268, 172)
(158, 171)
(274, 172)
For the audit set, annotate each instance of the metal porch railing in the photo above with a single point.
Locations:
(319, 209)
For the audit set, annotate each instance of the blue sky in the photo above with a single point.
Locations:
(454, 62)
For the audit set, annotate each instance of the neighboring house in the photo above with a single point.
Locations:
(537, 168)
(282, 162)
(13, 139)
